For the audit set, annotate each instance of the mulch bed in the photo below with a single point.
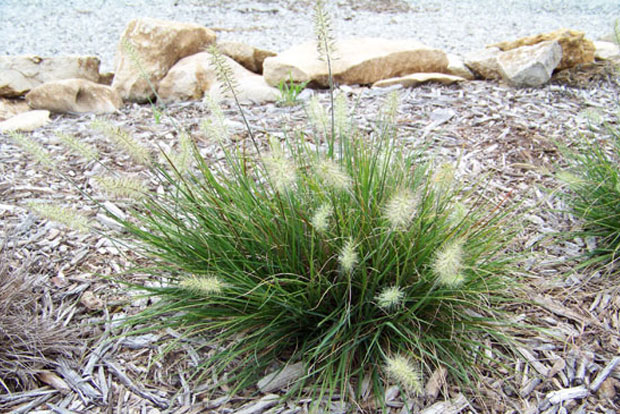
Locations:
(509, 135)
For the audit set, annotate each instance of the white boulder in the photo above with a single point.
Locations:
(530, 66)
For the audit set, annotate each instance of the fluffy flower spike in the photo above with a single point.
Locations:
(390, 297)
(66, 216)
(203, 285)
(348, 256)
(448, 264)
(320, 219)
(401, 209)
(400, 369)
(333, 175)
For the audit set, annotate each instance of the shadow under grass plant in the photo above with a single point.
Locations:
(352, 256)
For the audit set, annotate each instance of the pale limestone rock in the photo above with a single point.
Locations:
(106, 78)
(484, 63)
(416, 79)
(251, 88)
(247, 56)
(26, 121)
(148, 49)
(74, 95)
(356, 61)
(194, 76)
(610, 37)
(606, 50)
(457, 67)
(576, 49)
(530, 65)
(19, 74)
(11, 107)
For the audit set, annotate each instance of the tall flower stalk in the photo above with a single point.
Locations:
(326, 49)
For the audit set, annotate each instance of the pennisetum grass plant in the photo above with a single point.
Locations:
(592, 181)
(353, 256)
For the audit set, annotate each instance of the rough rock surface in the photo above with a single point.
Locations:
(26, 121)
(484, 63)
(457, 67)
(74, 95)
(416, 79)
(576, 49)
(11, 107)
(19, 74)
(247, 56)
(357, 61)
(194, 76)
(148, 49)
(106, 78)
(606, 50)
(530, 65)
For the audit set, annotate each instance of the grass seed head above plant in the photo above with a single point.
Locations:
(349, 256)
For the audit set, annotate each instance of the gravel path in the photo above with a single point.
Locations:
(51, 27)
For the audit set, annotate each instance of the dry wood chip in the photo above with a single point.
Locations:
(453, 406)
(261, 405)
(602, 376)
(90, 301)
(559, 309)
(538, 366)
(54, 381)
(19, 397)
(390, 395)
(212, 404)
(96, 355)
(60, 410)
(281, 378)
(126, 381)
(558, 366)
(435, 383)
(78, 384)
(580, 373)
(529, 387)
(27, 408)
(575, 393)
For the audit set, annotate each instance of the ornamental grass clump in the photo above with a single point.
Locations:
(273, 261)
(343, 253)
(33, 337)
(592, 179)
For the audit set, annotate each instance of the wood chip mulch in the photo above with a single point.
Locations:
(507, 134)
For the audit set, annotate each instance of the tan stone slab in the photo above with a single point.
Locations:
(74, 95)
(576, 49)
(416, 79)
(26, 121)
(148, 49)
(19, 74)
(11, 107)
(356, 60)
